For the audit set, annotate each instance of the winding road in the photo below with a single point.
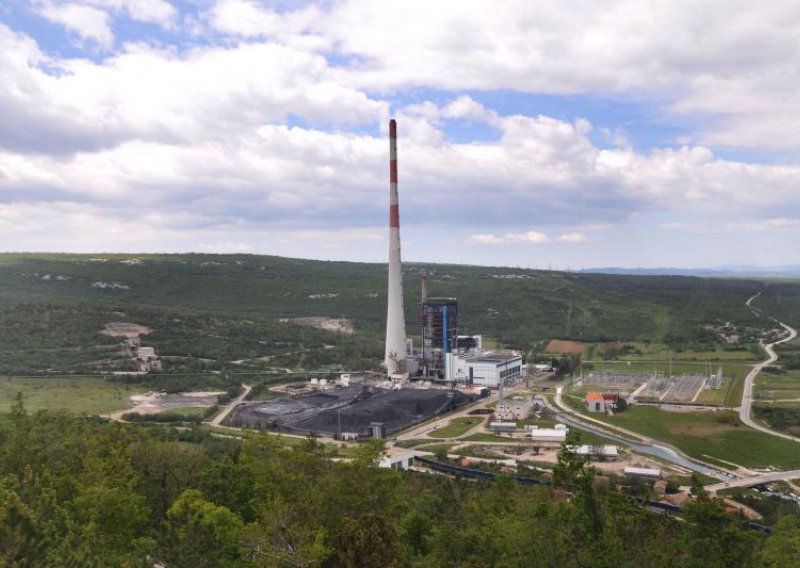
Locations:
(749, 382)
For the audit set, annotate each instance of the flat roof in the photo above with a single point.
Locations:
(492, 358)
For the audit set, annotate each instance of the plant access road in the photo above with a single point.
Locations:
(228, 408)
(749, 381)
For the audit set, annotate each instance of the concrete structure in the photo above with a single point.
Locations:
(513, 409)
(484, 369)
(503, 426)
(397, 459)
(601, 452)
(643, 472)
(557, 435)
(395, 355)
(595, 402)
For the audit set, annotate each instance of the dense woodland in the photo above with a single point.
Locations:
(81, 492)
(207, 311)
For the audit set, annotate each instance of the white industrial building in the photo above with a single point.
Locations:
(599, 452)
(557, 435)
(513, 409)
(484, 369)
(397, 458)
(646, 472)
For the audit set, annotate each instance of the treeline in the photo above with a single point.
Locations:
(82, 492)
(517, 307)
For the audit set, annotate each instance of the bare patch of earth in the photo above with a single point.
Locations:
(338, 325)
(125, 329)
(564, 346)
(154, 402)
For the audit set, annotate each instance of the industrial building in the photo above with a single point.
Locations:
(445, 355)
(439, 334)
(595, 402)
(554, 436)
(484, 369)
(513, 409)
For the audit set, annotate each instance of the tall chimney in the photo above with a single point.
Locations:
(395, 359)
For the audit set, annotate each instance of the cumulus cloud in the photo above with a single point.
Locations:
(738, 64)
(92, 19)
(276, 121)
(529, 237)
(88, 22)
(761, 226)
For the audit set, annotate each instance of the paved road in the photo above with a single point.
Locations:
(747, 395)
(217, 420)
(756, 480)
(646, 446)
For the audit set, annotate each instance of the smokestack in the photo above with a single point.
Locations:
(423, 285)
(395, 360)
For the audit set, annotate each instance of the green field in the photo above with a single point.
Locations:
(778, 387)
(456, 427)
(702, 435)
(83, 395)
(658, 351)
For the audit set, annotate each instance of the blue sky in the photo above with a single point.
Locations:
(545, 134)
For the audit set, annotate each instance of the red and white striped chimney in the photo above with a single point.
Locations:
(395, 359)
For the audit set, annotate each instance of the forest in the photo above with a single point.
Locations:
(77, 491)
(208, 311)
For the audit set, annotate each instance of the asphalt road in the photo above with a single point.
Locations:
(749, 382)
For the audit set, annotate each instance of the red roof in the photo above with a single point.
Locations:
(594, 396)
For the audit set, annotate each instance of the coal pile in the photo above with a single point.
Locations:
(352, 409)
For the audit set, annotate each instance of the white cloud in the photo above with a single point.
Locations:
(572, 238)
(738, 63)
(760, 226)
(92, 19)
(529, 237)
(88, 22)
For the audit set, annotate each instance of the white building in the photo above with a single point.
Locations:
(484, 369)
(397, 458)
(513, 409)
(557, 435)
(600, 452)
(643, 472)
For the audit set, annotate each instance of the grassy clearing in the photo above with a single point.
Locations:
(778, 387)
(456, 427)
(436, 448)
(82, 395)
(702, 435)
(639, 351)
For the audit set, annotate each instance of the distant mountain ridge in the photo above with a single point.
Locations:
(737, 271)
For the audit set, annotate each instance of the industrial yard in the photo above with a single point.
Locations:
(353, 412)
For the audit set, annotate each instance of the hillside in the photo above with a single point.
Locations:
(221, 308)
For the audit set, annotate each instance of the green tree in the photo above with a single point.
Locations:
(200, 533)
(782, 549)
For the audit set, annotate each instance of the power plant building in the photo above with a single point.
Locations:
(439, 333)
(445, 354)
(484, 369)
